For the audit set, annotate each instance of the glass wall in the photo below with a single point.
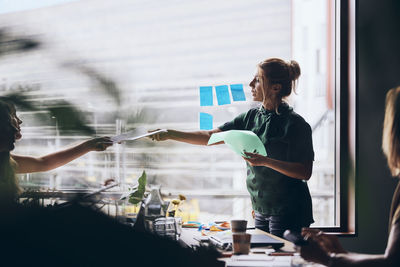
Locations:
(138, 65)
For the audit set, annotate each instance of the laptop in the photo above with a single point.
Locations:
(224, 241)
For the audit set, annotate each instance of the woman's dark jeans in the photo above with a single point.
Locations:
(276, 224)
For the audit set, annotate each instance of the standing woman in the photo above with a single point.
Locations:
(276, 183)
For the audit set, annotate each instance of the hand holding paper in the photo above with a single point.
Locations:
(130, 136)
(254, 159)
(240, 142)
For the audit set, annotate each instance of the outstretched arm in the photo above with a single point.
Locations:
(195, 138)
(26, 164)
(297, 170)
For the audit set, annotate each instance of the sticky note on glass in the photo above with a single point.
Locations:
(206, 96)
(237, 92)
(223, 97)
(239, 141)
(206, 121)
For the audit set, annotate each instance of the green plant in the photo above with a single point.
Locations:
(136, 196)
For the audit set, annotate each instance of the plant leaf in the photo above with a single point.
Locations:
(69, 118)
(137, 196)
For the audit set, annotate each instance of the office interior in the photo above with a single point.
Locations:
(377, 61)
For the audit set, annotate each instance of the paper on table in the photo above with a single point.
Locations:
(130, 136)
(239, 141)
(255, 260)
(252, 257)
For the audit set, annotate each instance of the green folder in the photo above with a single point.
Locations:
(240, 141)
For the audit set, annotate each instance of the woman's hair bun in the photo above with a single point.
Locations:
(294, 70)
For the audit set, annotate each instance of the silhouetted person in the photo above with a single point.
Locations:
(326, 249)
(75, 235)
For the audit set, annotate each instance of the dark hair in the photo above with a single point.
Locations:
(6, 128)
(4, 111)
(278, 71)
(9, 188)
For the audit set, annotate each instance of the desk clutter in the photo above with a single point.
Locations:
(263, 249)
(213, 227)
(238, 246)
(225, 235)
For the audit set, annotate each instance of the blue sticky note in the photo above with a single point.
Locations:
(206, 96)
(206, 121)
(222, 94)
(237, 92)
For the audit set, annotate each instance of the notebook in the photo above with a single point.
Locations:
(257, 240)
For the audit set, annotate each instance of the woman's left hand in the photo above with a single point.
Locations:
(255, 159)
(99, 143)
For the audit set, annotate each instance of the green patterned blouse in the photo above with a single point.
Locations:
(286, 137)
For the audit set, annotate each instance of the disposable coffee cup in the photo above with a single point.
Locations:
(238, 226)
(241, 243)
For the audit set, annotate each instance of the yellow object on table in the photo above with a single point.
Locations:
(215, 228)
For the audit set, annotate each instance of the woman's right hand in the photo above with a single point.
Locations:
(98, 143)
(314, 252)
(329, 243)
(162, 136)
(319, 246)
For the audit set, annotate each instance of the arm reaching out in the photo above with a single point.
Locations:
(195, 138)
(26, 164)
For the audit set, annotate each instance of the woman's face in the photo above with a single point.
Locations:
(16, 122)
(257, 89)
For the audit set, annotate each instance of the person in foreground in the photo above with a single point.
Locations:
(28, 164)
(326, 249)
(276, 183)
(77, 234)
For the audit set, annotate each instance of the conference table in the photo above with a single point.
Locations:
(261, 256)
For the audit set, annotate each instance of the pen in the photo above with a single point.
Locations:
(281, 254)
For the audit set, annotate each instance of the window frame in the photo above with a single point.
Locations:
(345, 117)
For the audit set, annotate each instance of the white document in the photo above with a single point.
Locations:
(130, 136)
(252, 257)
(252, 260)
